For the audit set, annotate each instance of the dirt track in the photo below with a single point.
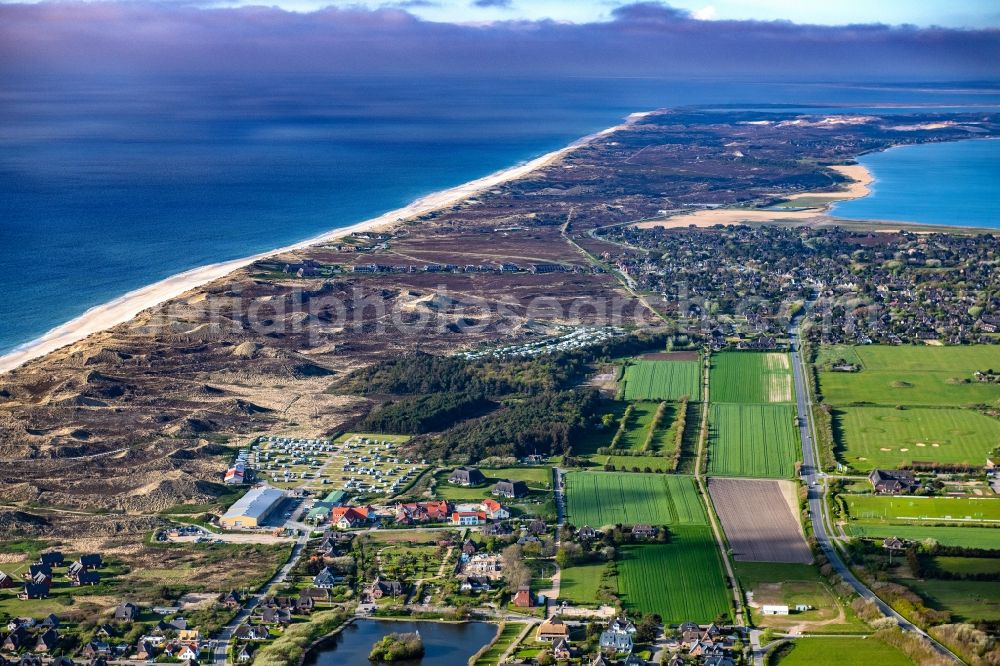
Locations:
(759, 521)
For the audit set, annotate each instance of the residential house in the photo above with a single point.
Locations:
(600, 660)
(498, 529)
(422, 512)
(622, 624)
(893, 543)
(633, 660)
(232, 600)
(127, 612)
(892, 482)
(720, 660)
(34, 591)
(522, 598)
(510, 489)
(41, 579)
(276, 616)
(304, 604)
(552, 629)
(326, 579)
(538, 527)
(51, 621)
(586, 533)
(244, 654)
(616, 642)
(35, 569)
(95, 649)
(92, 561)
(466, 476)
(318, 593)
(251, 632)
(382, 588)
(16, 639)
(188, 652)
(6, 582)
(145, 650)
(51, 559)
(475, 584)
(87, 578)
(561, 649)
(494, 510)
(47, 640)
(347, 517)
(467, 517)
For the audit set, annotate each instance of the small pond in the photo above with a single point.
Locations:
(445, 644)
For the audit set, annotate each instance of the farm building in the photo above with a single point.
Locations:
(774, 609)
(253, 509)
(552, 629)
(892, 482)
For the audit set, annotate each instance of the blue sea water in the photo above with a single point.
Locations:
(110, 185)
(954, 183)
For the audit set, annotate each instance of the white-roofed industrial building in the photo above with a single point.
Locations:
(253, 509)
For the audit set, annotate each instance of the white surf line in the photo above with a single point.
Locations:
(127, 306)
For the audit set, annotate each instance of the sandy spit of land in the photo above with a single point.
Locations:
(126, 307)
(859, 187)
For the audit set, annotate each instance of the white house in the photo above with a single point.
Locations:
(774, 609)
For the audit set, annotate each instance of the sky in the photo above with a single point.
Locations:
(948, 13)
(849, 40)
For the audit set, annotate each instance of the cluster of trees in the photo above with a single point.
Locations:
(396, 647)
(544, 424)
(425, 413)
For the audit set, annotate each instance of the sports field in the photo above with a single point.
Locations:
(871, 437)
(837, 651)
(875, 508)
(969, 537)
(662, 380)
(611, 498)
(680, 581)
(913, 375)
(753, 440)
(750, 377)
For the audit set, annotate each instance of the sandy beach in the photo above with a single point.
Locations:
(819, 205)
(127, 306)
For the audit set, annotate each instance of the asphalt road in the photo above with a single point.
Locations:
(815, 480)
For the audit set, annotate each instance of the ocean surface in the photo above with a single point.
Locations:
(954, 183)
(109, 185)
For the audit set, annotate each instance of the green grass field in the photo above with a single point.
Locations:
(637, 428)
(913, 375)
(662, 380)
(969, 537)
(655, 463)
(967, 565)
(506, 636)
(968, 600)
(881, 508)
(580, 582)
(750, 377)
(680, 581)
(841, 652)
(753, 440)
(871, 437)
(610, 498)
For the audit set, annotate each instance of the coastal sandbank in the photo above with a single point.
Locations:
(127, 306)
(860, 186)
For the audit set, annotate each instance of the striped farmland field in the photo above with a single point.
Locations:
(609, 498)
(681, 581)
(663, 380)
(750, 377)
(753, 440)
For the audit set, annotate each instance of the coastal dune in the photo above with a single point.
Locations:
(127, 306)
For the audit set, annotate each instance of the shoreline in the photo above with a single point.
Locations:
(125, 307)
(861, 186)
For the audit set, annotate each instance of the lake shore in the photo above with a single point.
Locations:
(127, 306)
